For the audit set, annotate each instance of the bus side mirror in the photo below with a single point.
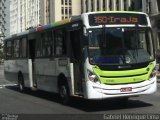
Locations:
(85, 36)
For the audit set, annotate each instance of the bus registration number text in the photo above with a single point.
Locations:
(127, 89)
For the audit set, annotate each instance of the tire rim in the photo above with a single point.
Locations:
(20, 86)
(63, 92)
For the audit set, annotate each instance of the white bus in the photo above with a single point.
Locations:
(96, 55)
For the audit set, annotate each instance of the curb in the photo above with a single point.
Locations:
(6, 85)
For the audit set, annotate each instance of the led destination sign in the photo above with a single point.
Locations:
(111, 19)
(117, 18)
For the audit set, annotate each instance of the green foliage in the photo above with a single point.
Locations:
(1, 52)
(1, 46)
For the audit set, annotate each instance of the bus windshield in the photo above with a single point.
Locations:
(120, 45)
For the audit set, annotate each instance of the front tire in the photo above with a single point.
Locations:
(64, 94)
(21, 85)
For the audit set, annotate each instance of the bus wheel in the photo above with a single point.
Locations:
(21, 83)
(64, 94)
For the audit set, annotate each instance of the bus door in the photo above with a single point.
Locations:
(33, 82)
(76, 59)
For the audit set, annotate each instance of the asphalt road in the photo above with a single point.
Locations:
(40, 102)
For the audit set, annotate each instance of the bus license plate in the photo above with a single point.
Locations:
(127, 89)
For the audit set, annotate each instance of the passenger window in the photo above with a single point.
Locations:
(39, 45)
(8, 49)
(23, 52)
(16, 48)
(60, 43)
(47, 44)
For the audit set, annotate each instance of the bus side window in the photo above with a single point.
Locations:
(39, 45)
(60, 43)
(50, 43)
(16, 48)
(8, 49)
(75, 37)
(47, 44)
(23, 50)
(53, 43)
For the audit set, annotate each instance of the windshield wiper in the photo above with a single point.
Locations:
(103, 40)
(123, 46)
(137, 39)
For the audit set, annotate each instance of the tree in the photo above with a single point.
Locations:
(1, 52)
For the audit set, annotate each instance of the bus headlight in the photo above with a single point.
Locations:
(153, 73)
(92, 77)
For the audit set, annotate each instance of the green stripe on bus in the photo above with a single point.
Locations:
(123, 76)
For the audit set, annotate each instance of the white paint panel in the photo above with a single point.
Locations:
(12, 67)
(30, 73)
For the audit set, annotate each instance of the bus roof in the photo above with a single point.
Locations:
(45, 27)
(66, 21)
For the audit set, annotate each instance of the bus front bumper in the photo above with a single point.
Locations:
(103, 91)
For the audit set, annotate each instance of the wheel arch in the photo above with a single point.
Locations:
(20, 74)
(62, 79)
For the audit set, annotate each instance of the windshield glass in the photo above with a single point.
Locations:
(120, 45)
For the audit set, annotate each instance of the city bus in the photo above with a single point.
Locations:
(95, 56)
